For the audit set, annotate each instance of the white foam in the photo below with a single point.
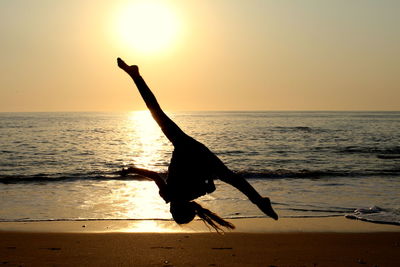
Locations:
(376, 214)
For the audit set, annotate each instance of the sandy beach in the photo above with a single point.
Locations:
(119, 243)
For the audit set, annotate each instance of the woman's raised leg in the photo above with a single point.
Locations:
(169, 128)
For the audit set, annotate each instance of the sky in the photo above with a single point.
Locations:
(200, 54)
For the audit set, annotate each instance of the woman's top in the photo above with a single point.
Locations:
(190, 173)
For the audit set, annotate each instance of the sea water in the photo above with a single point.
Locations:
(64, 166)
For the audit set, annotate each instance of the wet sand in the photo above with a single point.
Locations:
(366, 245)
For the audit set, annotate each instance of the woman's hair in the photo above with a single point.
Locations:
(211, 218)
(184, 212)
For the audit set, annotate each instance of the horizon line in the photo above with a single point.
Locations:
(210, 110)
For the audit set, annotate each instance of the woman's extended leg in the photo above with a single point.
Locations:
(169, 128)
(240, 183)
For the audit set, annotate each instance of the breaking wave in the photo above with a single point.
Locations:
(273, 174)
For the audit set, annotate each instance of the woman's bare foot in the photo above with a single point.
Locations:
(265, 205)
(133, 70)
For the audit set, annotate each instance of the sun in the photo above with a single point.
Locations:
(147, 26)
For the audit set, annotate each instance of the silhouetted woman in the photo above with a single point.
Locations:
(192, 170)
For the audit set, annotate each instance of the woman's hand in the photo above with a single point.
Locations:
(133, 70)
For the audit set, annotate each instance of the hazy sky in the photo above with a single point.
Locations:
(215, 55)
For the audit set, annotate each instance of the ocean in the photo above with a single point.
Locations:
(64, 166)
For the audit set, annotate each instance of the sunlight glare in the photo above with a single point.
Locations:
(147, 26)
(138, 200)
(147, 141)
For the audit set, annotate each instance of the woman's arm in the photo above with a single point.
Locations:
(162, 186)
(169, 128)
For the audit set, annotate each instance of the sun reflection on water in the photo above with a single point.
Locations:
(140, 199)
(147, 142)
